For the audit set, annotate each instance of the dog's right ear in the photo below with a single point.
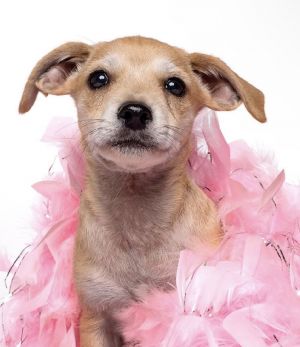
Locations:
(52, 73)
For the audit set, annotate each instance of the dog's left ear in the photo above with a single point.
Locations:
(225, 89)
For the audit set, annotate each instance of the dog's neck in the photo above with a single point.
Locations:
(134, 203)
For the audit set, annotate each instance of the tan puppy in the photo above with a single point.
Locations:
(136, 100)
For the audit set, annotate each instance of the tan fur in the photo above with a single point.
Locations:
(138, 210)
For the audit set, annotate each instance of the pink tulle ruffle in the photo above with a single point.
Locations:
(246, 294)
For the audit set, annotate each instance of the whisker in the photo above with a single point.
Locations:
(84, 137)
(169, 126)
(174, 129)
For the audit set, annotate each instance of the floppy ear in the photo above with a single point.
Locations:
(226, 90)
(51, 74)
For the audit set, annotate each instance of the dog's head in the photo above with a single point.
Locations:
(137, 97)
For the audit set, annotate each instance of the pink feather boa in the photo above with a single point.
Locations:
(245, 294)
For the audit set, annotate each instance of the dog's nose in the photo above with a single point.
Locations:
(135, 116)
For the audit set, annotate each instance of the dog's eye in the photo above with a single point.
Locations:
(175, 86)
(98, 79)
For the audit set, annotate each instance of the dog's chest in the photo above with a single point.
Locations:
(139, 254)
(127, 268)
(132, 244)
(155, 265)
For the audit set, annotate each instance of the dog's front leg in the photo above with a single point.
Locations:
(98, 330)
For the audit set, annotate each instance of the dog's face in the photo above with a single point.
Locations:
(141, 97)
(137, 97)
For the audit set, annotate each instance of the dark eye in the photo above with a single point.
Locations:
(98, 79)
(175, 86)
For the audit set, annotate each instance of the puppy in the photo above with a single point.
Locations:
(136, 100)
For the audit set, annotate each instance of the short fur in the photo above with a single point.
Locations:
(139, 208)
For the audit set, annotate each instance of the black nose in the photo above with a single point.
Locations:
(135, 116)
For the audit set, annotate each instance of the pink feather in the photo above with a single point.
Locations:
(246, 293)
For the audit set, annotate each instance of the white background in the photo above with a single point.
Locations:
(259, 39)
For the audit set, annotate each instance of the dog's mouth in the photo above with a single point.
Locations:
(131, 152)
(142, 143)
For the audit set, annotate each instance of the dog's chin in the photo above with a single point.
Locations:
(133, 157)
